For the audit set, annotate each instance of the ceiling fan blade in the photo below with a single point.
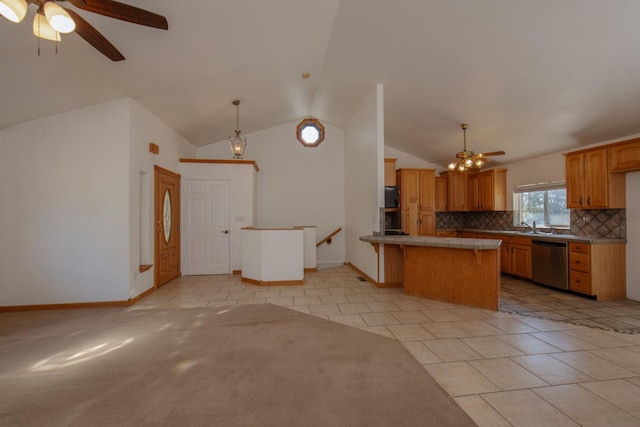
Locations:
(94, 38)
(124, 12)
(493, 153)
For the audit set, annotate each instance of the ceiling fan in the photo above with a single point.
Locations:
(51, 20)
(467, 159)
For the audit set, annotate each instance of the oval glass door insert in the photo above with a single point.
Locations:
(166, 216)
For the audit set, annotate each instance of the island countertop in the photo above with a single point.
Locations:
(435, 242)
(449, 269)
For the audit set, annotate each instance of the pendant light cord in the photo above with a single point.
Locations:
(237, 104)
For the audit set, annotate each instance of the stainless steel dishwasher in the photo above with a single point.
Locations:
(549, 263)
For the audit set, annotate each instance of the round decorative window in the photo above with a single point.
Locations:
(310, 132)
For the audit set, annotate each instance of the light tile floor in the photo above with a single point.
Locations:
(529, 299)
(502, 368)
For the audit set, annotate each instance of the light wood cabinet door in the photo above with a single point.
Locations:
(409, 182)
(441, 193)
(574, 170)
(427, 223)
(505, 257)
(474, 192)
(521, 260)
(625, 157)
(427, 189)
(457, 191)
(390, 172)
(493, 190)
(595, 179)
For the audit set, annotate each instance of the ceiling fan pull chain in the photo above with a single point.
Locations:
(38, 37)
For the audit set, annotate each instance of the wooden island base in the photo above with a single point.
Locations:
(461, 276)
(443, 269)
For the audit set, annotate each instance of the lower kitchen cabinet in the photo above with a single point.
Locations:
(598, 270)
(505, 256)
(515, 253)
(521, 257)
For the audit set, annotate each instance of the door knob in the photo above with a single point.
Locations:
(226, 231)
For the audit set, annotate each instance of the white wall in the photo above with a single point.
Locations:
(408, 160)
(633, 235)
(364, 189)
(297, 185)
(64, 184)
(549, 167)
(70, 211)
(143, 129)
(242, 188)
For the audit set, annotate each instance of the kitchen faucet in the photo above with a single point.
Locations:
(534, 228)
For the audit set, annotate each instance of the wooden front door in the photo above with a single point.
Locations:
(167, 230)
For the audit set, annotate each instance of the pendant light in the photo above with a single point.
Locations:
(13, 10)
(237, 143)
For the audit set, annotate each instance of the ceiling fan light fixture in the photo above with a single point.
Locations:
(59, 19)
(13, 10)
(466, 160)
(43, 30)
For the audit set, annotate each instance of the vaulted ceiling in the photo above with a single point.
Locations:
(530, 77)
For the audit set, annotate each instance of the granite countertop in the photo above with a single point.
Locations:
(436, 242)
(548, 237)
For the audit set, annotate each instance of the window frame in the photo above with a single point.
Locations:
(538, 187)
(310, 122)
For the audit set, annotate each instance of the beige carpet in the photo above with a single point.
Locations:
(257, 365)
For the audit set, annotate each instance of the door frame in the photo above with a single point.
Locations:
(158, 201)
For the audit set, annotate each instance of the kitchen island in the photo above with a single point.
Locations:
(456, 270)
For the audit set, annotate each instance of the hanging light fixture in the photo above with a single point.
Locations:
(467, 159)
(13, 10)
(237, 143)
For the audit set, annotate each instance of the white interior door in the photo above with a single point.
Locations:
(205, 227)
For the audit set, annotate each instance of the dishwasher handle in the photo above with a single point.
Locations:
(549, 244)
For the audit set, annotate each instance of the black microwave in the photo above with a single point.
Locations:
(391, 197)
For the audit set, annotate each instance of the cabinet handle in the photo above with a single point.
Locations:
(580, 201)
(589, 200)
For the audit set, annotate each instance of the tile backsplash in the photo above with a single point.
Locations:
(502, 220)
(609, 223)
(605, 223)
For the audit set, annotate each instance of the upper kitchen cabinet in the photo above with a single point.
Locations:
(390, 172)
(417, 200)
(625, 157)
(590, 184)
(457, 190)
(427, 190)
(441, 193)
(409, 182)
(488, 190)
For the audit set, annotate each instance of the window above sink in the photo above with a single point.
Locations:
(544, 203)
